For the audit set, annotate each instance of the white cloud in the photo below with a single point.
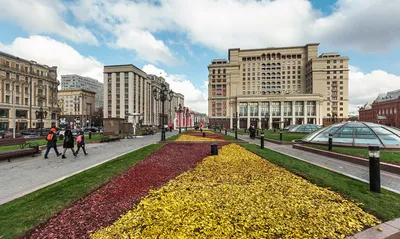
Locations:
(366, 87)
(357, 24)
(194, 98)
(44, 16)
(54, 53)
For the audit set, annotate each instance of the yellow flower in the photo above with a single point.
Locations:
(237, 194)
(195, 138)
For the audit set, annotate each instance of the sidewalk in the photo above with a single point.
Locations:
(389, 181)
(24, 175)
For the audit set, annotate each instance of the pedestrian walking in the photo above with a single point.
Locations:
(51, 143)
(68, 142)
(80, 142)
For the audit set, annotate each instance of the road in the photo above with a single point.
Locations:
(24, 175)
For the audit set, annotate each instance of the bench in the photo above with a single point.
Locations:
(25, 148)
(109, 136)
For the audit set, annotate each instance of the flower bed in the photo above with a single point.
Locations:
(209, 134)
(106, 204)
(237, 194)
(186, 137)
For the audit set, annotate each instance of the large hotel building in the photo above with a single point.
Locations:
(28, 94)
(129, 90)
(275, 87)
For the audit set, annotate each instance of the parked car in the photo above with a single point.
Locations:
(31, 136)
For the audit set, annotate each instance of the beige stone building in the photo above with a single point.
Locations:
(25, 86)
(129, 90)
(77, 108)
(275, 87)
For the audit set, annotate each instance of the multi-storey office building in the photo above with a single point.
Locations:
(128, 90)
(274, 87)
(77, 82)
(28, 94)
(77, 107)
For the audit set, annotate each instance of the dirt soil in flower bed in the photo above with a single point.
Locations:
(208, 135)
(105, 205)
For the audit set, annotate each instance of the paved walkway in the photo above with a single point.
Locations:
(389, 181)
(24, 175)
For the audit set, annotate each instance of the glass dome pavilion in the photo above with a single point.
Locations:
(357, 134)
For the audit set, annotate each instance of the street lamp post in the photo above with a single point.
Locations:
(179, 110)
(39, 113)
(187, 117)
(163, 95)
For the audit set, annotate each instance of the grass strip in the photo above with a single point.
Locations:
(386, 155)
(385, 205)
(27, 212)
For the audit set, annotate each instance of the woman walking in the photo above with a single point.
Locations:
(68, 142)
(80, 140)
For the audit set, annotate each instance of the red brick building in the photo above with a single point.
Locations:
(384, 109)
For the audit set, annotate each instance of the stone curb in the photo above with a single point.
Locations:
(387, 230)
(348, 158)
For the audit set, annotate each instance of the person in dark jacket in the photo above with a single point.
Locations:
(51, 143)
(80, 142)
(68, 142)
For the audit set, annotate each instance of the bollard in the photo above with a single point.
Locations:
(235, 134)
(214, 149)
(201, 129)
(330, 142)
(204, 134)
(245, 130)
(220, 130)
(90, 135)
(274, 130)
(262, 140)
(374, 169)
(257, 132)
(280, 135)
(226, 131)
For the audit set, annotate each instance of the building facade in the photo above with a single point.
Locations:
(129, 90)
(28, 94)
(383, 110)
(275, 87)
(77, 82)
(77, 108)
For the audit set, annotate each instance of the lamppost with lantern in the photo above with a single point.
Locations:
(187, 114)
(179, 110)
(39, 113)
(163, 95)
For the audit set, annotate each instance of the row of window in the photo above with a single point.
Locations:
(272, 56)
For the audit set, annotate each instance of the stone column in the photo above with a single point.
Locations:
(248, 115)
(270, 114)
(130, 92)
(318, 112)
(238, 118)
(305, 112)
(293, 112)
(145, 100)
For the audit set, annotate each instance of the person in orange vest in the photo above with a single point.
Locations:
(51, 143)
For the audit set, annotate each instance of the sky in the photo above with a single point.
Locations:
(177, 39)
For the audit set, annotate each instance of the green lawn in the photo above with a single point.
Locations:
(270, 134)
(26, 212)
(41, 142)
(386, 155)
(385, 205)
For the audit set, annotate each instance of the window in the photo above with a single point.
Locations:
(341, 82)
(328, 77)
(328, 62)
(328, 72)
(4, 113)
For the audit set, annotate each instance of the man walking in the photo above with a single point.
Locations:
(51, 142)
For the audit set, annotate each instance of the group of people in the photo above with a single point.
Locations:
(69, 142)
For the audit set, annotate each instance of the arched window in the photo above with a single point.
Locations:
(278, 56)
(263, 57)
(263, 65)
(224, 71)
(219, 71)
(268, 56)
(273, 56)
(268, 64)
(273, 64)
(213, 71)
